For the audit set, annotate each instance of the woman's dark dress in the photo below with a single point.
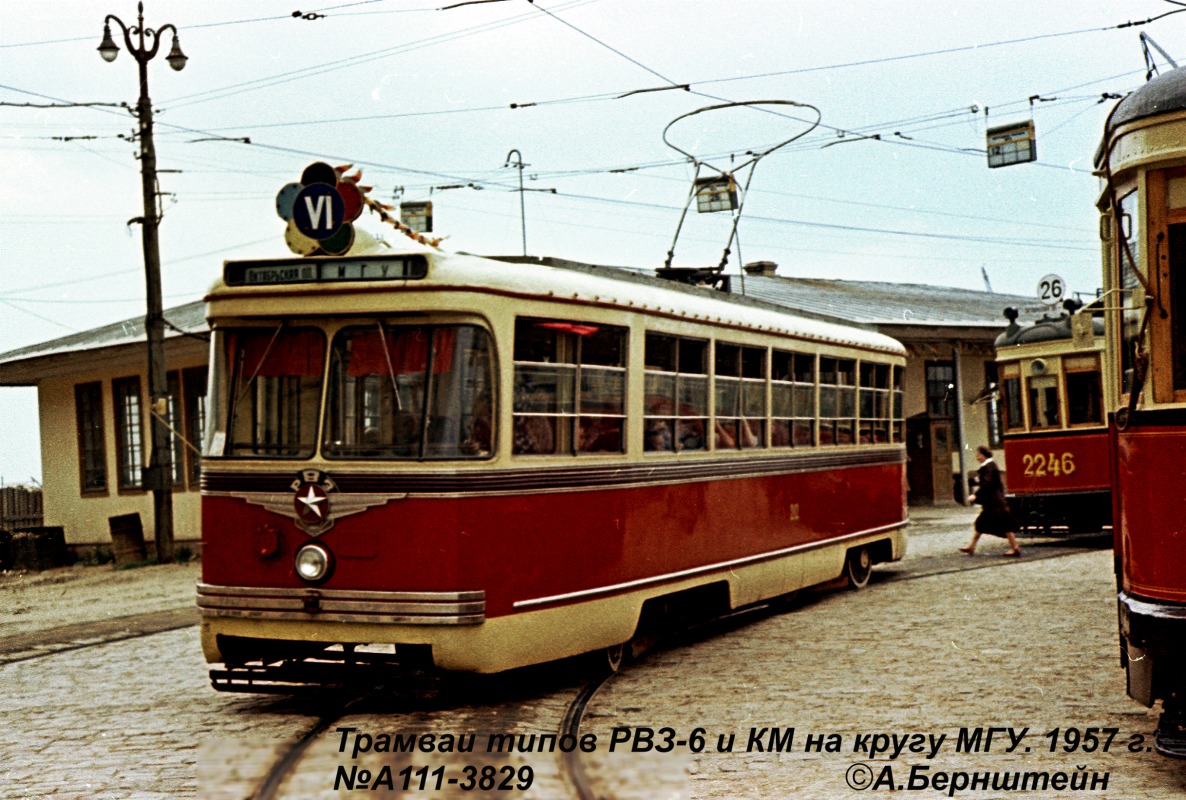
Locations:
(995, 517)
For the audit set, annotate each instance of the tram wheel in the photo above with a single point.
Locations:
(858, 566)
(615, 656)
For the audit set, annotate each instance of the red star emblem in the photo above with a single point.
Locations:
(311, 504)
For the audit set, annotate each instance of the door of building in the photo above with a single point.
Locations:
(928, 450)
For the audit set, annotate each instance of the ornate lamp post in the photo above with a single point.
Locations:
(143, 44)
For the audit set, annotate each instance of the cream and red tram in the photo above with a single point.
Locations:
(1055, 435)
(489, 465)
(1143, 160)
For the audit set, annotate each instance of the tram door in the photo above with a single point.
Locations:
(928, 450)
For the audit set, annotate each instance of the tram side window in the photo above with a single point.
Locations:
(1177, 265)
(837, 400)
(276, 390)
(570, 387)
(1011, 389)
(740, 386)
(899, 424)
(874, 403)
(383, 378)
(1132, 304)
(676, 404)
(1043, 391)
(792, 399)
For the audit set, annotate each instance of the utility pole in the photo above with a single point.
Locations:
(159, 475)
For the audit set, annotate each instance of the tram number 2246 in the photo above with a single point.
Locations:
(1041, 465)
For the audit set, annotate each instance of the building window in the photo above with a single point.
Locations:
(996, 425)
(941, 388)
(570, 388)
(92, 455)
(129, 441)
(193, 394)
(175, 431)
(185, 418)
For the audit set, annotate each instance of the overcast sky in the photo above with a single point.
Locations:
(422, 97)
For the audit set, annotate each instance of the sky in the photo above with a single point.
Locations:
(884, 177)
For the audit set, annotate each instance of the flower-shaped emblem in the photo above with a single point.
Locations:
(320, 210)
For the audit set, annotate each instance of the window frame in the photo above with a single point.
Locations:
(92, 438)
(128, 407)
(568, 423)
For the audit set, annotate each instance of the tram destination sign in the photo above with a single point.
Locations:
(327, 270)
(1011, 144)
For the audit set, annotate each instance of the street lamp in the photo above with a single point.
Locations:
(159, 475)
(519, 165)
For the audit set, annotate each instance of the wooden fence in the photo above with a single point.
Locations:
(20, 508)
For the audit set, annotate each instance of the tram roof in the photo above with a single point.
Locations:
(1162, 95)
(824, 305)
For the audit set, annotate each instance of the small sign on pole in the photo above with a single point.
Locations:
(1011, 144)
(417, 216)
(1052, 290)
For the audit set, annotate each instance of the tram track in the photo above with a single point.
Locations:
(80, 636)
(435, 695)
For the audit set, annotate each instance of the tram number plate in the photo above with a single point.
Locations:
(281, 274)
(1041, 465)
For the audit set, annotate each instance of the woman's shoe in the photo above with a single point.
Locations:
(967, 550)
(1012, 553)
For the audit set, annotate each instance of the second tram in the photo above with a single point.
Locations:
(1055, 435)
(420, 457)
(1143, 161)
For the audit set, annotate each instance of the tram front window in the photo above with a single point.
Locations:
(1044, 402)
(383, 379)
(276, 390)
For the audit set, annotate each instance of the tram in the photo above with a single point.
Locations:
(435, 459)
(1143, 160)
(1055, 435)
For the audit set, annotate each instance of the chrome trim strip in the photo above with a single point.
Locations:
(385, 619)
(342, 594)
(688, 573)
(298, 604)
(338, 605)
(400, 481)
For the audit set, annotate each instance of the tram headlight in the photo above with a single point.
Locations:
(313, 563)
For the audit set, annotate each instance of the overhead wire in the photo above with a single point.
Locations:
(362, 58)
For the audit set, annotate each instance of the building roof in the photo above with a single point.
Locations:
(880, 303)
(188, 318)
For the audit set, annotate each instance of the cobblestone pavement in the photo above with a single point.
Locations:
(1025, 644)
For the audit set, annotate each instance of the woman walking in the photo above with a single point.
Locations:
(995, 517)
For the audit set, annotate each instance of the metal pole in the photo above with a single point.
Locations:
(160, 466)
(522, 207)
(960, 434)
(159, 475)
